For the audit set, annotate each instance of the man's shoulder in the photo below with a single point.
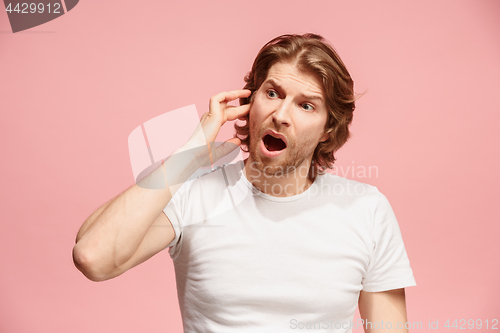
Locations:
(349, 189)
(333, 179)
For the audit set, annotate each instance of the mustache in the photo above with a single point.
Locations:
(272, 126)
(259, 129)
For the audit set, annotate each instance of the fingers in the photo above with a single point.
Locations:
(228, 96)
(245, 117)
(218, 114)
(219, 102)
(237, 112)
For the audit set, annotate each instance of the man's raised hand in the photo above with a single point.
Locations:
(211, 122)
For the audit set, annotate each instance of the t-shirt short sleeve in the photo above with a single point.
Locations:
(389, 267)
(174, 212)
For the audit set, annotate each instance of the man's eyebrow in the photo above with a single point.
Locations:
(275, 84)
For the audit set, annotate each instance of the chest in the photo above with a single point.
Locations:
(291, 262)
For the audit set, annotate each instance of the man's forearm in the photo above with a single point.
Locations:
(113, 233)
(385, 307)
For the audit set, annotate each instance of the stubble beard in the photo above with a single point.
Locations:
(291, 159)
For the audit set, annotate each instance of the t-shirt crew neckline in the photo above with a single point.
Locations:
(258, 192)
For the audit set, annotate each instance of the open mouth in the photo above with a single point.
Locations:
(273, 144)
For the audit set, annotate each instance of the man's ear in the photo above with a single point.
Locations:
(325, 136)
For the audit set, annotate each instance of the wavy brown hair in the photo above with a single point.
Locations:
(311, 53)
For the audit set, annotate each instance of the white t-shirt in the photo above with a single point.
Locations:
(246, 261)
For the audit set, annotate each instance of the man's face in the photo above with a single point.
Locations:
(287, 120)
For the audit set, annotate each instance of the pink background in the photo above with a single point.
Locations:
(73, 89)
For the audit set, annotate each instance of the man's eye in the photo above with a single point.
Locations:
(307, 107)
(272, 94)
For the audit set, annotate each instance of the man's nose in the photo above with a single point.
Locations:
(282, 114)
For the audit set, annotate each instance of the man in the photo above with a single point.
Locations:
(272, 243)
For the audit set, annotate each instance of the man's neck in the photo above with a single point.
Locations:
(279, 185)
